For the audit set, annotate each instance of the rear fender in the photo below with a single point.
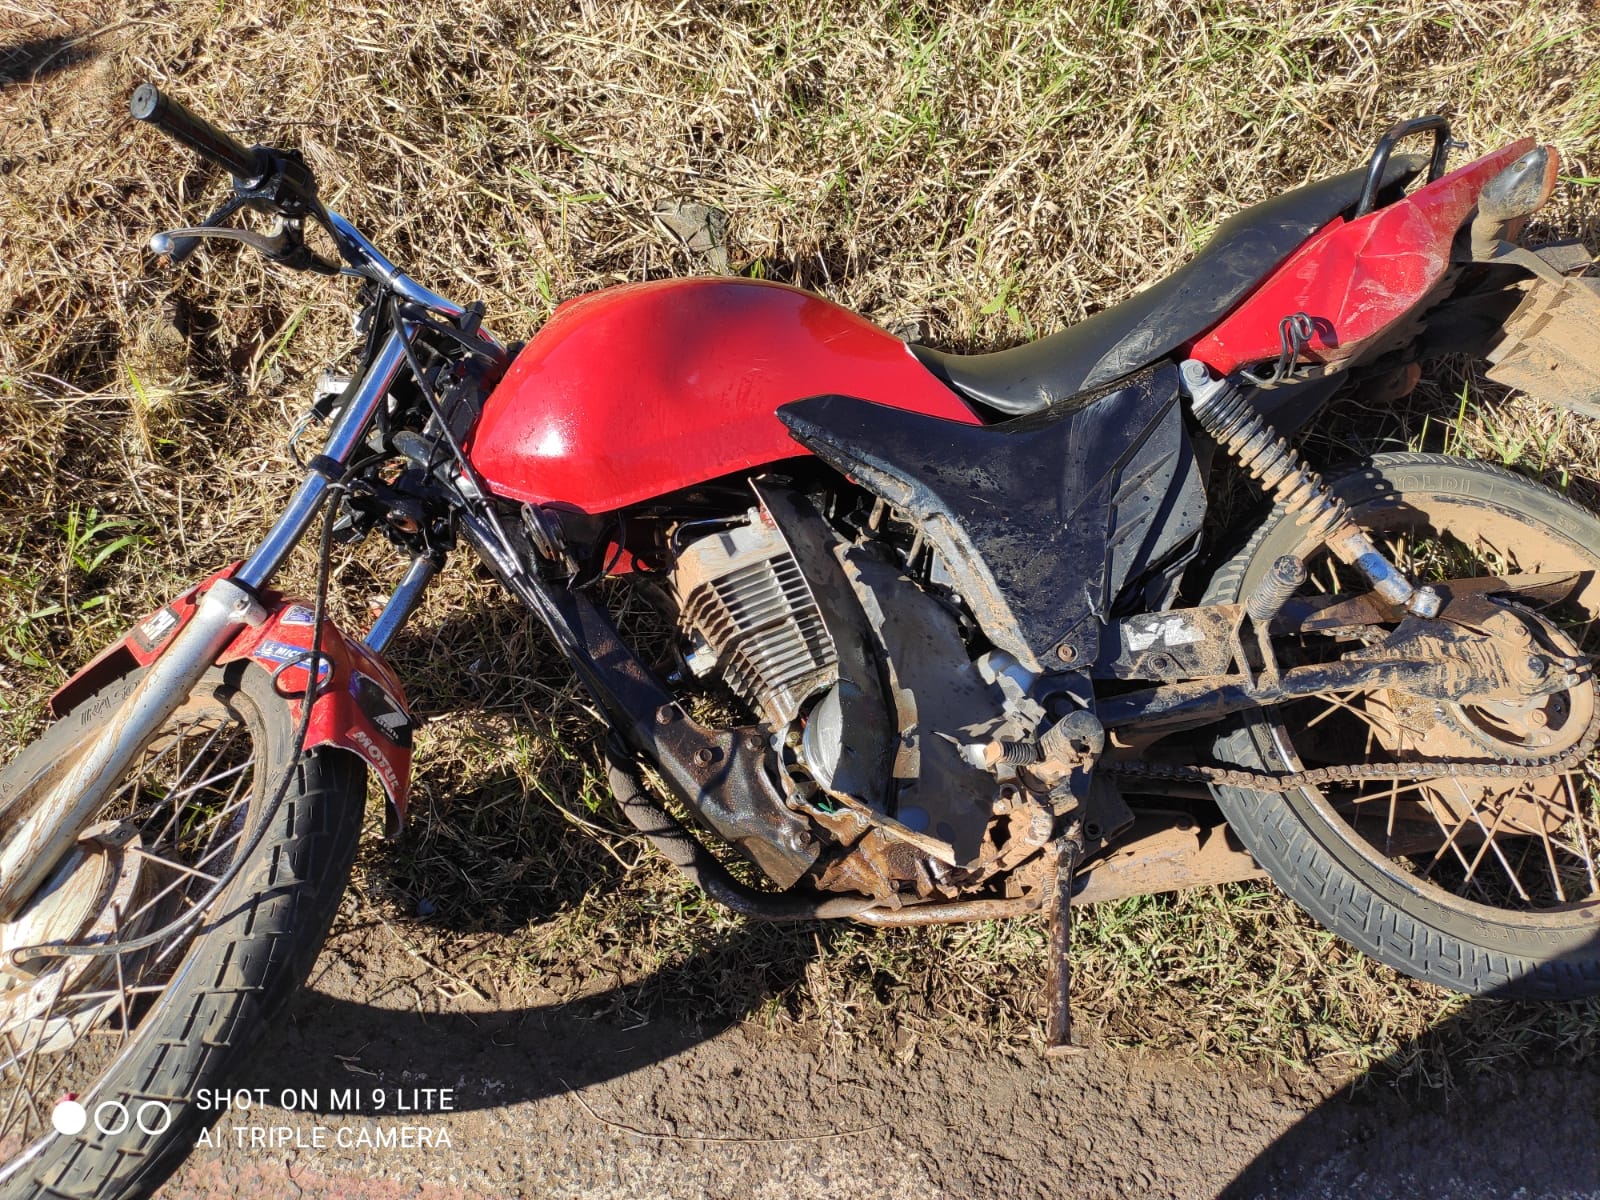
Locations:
(359, 704)
(1356, 279)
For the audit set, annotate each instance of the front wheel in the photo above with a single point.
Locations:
(1481, 885)
(133, 1035)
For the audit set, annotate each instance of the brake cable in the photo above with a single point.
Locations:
(481, 492)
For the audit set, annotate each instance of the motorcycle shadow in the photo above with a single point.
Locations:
(496, 1057)
(1500, 1099)
(506, 837)
(33, 59)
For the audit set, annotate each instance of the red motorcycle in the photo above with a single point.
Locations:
(955, 637)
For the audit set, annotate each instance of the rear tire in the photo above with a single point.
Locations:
(247, 958)
(1307, 841)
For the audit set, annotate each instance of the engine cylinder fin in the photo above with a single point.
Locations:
(743, 596)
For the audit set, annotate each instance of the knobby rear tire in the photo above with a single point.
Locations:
(1311, 854)
(249, 956)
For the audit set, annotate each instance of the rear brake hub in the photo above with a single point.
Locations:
(1512, 726)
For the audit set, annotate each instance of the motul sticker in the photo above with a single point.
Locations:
(382, 709)
(156, 629)
(380, 761)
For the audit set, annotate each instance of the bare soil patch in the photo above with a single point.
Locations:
(596, 1098)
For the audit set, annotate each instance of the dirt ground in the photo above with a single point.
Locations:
(592, 1099)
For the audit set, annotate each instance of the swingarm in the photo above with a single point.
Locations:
(1219, 659)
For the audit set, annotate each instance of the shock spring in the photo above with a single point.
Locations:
(1230, 417)
(1228, 413)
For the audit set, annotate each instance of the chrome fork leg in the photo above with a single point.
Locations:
(70, 796)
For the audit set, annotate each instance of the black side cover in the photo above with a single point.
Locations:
(1042, 520)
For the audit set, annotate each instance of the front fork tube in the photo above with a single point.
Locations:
(70, 795)
(402, 603)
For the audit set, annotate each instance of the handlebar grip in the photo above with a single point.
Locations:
(201, 136)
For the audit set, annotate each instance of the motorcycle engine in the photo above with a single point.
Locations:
(887, 729)
(750, 617)
(842, 636)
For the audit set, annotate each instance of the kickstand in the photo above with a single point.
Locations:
(1058, 1022)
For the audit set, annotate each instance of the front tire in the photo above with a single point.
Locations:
(1500, 921)
(199, 1005)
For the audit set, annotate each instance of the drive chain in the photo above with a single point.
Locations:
(1285, 781)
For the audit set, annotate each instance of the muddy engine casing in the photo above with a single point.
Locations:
(835, 642)
(750, 617)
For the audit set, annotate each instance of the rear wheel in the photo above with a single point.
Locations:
(132, 1035)
(1477, 884)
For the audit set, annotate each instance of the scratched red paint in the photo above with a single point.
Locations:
(1356, 278)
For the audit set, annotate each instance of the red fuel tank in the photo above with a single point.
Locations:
(638, 390)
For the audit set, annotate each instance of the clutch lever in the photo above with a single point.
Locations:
(179, 244)
(283, 245)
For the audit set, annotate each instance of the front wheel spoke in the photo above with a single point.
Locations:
(150, 857)
(42, 1088)
(13, 1062)
(122, 982)
(26, 1069)
(209, 780)
(111, 993)
(216, 818)
(219, 847)
(157, 898)
(144, 768)
(177, 810)
(224, 726)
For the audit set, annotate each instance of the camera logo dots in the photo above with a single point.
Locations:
(110, 1117)
(69, 1117)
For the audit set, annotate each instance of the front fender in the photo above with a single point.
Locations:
(359, 704)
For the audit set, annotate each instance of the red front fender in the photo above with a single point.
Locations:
(360, 706)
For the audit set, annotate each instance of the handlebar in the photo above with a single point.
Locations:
(278, 182)
(197, 133)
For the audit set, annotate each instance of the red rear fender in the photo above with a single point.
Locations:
(1355, 279)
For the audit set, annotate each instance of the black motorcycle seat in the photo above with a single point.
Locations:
(1120, 340)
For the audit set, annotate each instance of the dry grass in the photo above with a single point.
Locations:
(989, 172)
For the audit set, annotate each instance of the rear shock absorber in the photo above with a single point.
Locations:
(1226, 410)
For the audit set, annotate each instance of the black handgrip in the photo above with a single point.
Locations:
(197, 133)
